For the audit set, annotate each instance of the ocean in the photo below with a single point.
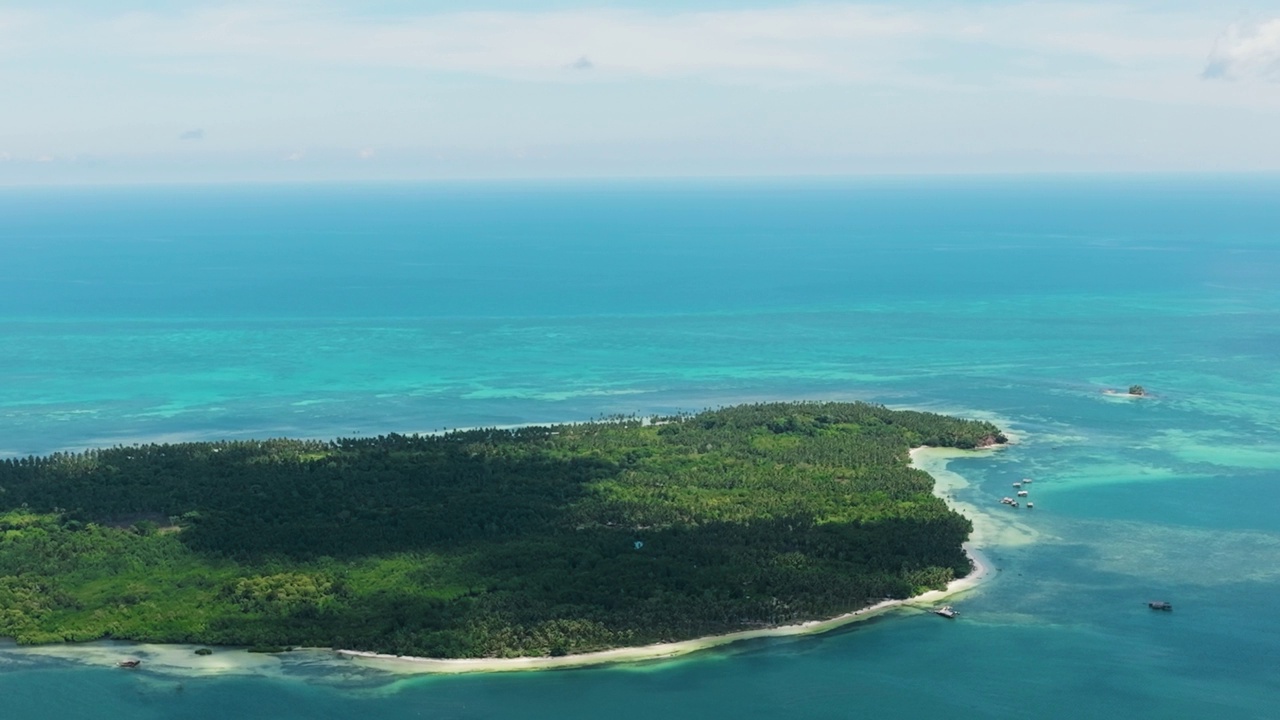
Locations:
(175, 313)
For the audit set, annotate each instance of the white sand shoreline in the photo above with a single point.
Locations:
(663, 651)
(180, 658)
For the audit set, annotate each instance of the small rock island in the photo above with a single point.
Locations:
(533, 541)
(1137, 390)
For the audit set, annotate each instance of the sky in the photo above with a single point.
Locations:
(286, 90)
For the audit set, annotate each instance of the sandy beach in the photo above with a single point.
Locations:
(398, 663)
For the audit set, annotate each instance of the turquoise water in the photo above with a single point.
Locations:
(225, 312)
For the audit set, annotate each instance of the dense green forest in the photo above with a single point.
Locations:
(483, 543)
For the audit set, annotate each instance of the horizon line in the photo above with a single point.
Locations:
(640, 178)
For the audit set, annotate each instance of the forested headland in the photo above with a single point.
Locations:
(484, 543)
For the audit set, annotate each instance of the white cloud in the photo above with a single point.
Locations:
(1027, 83)
(511, 44)
(1247, 50)
(824, 42)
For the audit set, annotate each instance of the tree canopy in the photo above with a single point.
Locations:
(484, 543)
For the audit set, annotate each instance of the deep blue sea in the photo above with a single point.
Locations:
(208, 312)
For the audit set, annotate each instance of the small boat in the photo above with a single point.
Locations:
(130, 664)
(1026, 481)
(1006, 501)
(1160, 605)
(1017, 485)
(947, 612)
(1022, 493)
(1030, 505)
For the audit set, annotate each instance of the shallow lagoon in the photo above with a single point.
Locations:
(132, 314)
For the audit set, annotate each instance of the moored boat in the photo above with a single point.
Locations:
(947, 612)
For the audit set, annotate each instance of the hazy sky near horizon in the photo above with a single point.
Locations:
(386, 89)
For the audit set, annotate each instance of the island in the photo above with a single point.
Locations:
(484, 543)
